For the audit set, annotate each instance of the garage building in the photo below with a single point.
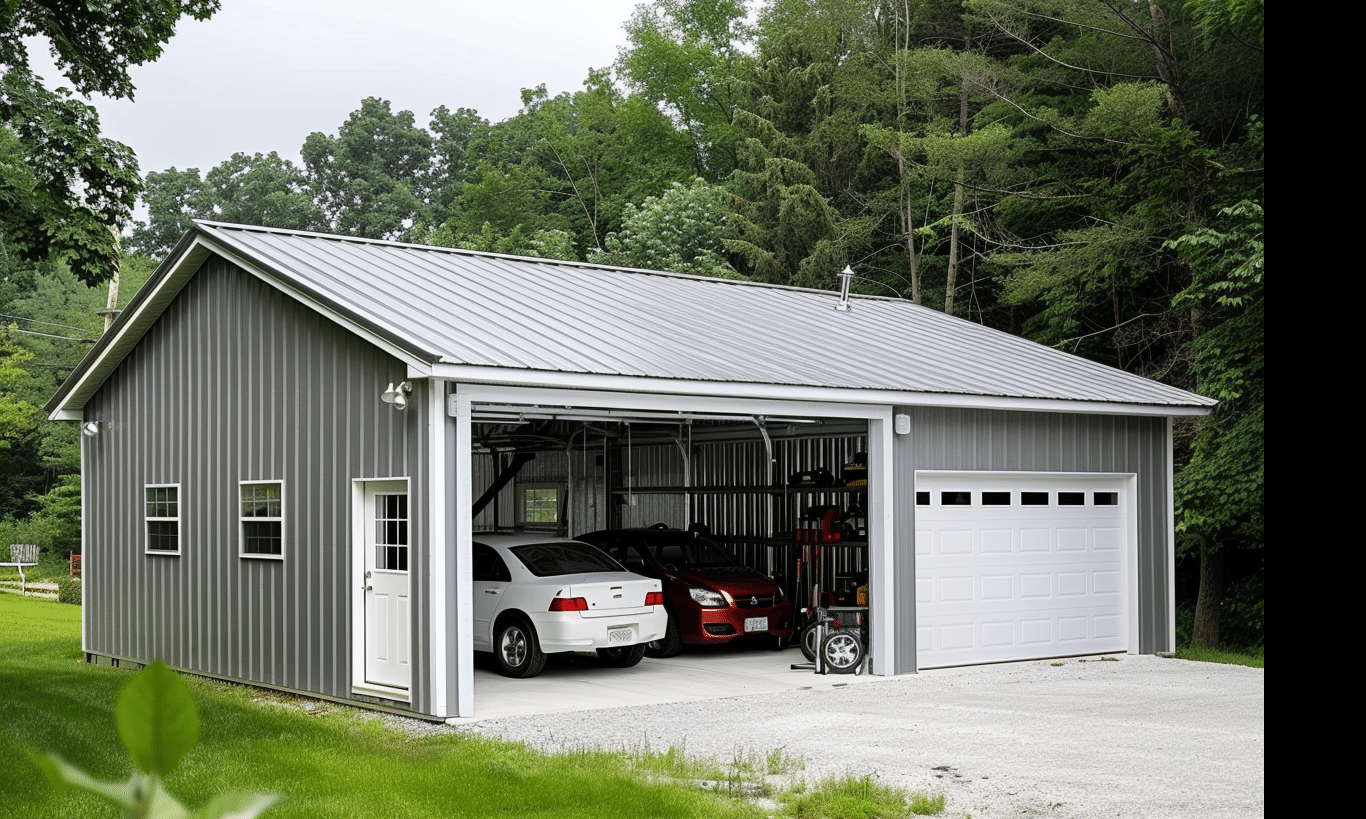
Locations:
(291, 437)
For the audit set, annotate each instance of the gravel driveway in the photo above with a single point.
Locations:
(1130, 736)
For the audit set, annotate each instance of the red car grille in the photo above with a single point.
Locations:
(755, 601)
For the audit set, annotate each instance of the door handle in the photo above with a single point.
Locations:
(490, 591)
(366, 588)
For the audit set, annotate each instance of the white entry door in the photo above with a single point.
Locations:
(388, 622)
(1016, 567)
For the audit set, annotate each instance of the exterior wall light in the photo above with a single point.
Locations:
(91, 428)
(397, 396)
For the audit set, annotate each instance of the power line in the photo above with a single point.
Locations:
(40, 321)
(49, 335)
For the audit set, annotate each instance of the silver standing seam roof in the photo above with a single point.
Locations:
(445, 306)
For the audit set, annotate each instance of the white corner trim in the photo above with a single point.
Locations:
(437, 590)
(464, 546)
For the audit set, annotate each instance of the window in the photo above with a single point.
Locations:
(391, 532)
(995, 498)
(1105, 499)
(1033, 498)
(1071, 498)
(262, 519)
(955, 498)
(162, 512)
(538, 505)
(922, 498)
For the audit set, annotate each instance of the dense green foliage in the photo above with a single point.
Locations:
(65, 190)
(1084, 173)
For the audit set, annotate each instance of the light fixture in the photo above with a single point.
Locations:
(90, 429)
(397, 396)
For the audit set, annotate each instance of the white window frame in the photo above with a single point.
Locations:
(149, 519)
(520, 491)
(242, 520)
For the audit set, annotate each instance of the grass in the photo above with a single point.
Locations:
(1251, 659)
(860, 797)
(336, 761)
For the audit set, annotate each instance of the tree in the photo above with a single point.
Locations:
(368, 178)
(173, 198)
(683, 230)
(250, 190)
(65, 190)
(684, 56)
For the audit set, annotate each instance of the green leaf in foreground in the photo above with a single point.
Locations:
(156, 719)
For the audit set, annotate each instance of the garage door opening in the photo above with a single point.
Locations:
(784, 497)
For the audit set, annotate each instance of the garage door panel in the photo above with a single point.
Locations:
(998, 541)
(999, 582)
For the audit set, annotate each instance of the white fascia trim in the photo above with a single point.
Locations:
(115, 343)
(497, 376)
(416, 367)
(437, 589)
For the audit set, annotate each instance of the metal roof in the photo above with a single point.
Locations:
(443, 306)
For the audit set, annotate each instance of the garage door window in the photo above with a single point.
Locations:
(995, 498)
(922, 498)
(1033, 498)
(1105, 499)
(955, 498)
(1071, 498)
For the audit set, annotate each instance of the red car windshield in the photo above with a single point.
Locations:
(691, 554)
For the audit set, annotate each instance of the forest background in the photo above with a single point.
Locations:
(1088, 174)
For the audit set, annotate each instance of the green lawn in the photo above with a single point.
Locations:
(337, 764)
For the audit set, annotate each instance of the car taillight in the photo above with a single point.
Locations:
(569, 604)
(654, 598)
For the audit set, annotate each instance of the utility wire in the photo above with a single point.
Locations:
(40, 321)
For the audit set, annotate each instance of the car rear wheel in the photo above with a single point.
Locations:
(623, 656)
(518, 652)
(670, 645)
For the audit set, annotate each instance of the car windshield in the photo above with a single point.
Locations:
(692, 554)
(566, 557)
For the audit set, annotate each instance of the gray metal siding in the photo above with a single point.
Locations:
(239, 382)
(994, 440)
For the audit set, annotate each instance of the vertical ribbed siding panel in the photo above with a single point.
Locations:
(237, 382)
(984, 440)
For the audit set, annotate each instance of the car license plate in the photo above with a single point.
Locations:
(756, 624)
(621, 635)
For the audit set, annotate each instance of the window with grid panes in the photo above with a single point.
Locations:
(262, 518)
(162, 513)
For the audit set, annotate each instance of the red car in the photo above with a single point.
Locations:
(711, 597)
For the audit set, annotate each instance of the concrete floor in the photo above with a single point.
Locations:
(578, 682)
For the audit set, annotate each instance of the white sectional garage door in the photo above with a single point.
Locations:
(1015, 566)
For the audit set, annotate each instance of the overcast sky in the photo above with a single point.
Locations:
(261, 76)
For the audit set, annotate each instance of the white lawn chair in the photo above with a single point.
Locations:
(20, 556)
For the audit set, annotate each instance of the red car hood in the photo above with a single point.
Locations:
(736, 581)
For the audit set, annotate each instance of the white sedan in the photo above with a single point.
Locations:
(536, 595)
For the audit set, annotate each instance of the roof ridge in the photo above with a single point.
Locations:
(461, 251)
